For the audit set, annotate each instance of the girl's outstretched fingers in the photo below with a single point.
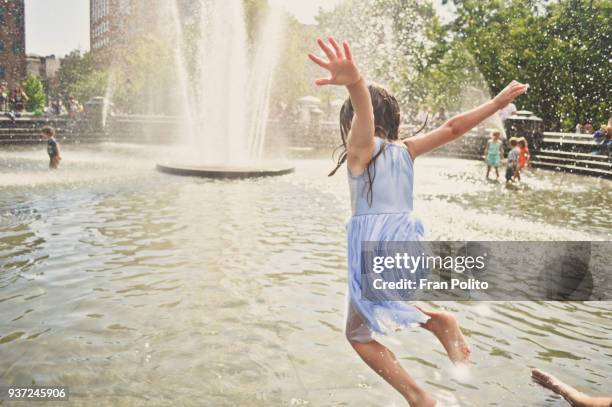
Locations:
(510, 92)
(339, 63)
(323, 81)
(334, 44)
(328, 52)
(318, 61)
(347, 51)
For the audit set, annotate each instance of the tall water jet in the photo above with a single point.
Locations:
(182, 75)
(226, 111)
(108, 97)
(262, 74)
(223, 83)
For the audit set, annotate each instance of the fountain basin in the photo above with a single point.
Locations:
(229, 172)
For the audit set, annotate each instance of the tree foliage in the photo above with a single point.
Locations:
(33, 88)
(389, 38)
(562, 49)
(80, 76)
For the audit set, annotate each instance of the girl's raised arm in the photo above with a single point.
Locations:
(459, 125)
(344, 72)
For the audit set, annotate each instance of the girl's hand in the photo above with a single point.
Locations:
(339, 64)
(510, 92)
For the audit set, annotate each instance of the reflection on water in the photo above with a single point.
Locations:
(134, 287)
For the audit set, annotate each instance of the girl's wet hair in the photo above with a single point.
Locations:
(386, 126)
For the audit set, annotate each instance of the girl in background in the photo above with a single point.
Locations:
(524, 156)
(380, 173)
(493, 153)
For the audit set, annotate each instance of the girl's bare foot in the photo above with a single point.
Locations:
(423, 400)
(573, 396)
(444, 325)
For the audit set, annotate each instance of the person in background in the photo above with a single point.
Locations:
(3, 98)
(507, 111)
(53, 147)
(578, 128)
(493, 153)
(607, 141)
(573, 396)
(18, 100)
(74, 107)
(524, 156)
(57, 106)
(441, 117)
(513, 156)
(424, 115)
(587, 128)
(598, 136)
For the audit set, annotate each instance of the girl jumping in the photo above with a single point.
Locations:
(380, 173)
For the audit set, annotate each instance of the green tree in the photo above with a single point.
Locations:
(562, 49)
(33, 88)
(396, 43)
(81, 77)
(293, 78)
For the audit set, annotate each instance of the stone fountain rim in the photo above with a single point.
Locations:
(229, 172)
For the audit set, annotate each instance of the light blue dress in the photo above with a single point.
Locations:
(388, 218)
(493, 155)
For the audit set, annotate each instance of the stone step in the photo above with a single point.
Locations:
(588, 156)
(574, 161)
(596, 172)
(568, 136)
(548, 140)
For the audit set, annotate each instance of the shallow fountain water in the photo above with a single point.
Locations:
(136, 288)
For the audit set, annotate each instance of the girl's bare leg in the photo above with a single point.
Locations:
(496, 173)
(488, 171)
(445, 327)
(383, 362)
(573, 396)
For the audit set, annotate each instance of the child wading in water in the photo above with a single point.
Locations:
(523, 159)
(513, 159)
(53, 148)
(380, 173)
(493, 153)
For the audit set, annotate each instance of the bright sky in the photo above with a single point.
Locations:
(56, 26)
(60, 26)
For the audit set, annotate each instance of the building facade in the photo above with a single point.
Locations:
(12, 42)
(115, 24)
(46, 68)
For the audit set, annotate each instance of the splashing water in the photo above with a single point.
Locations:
(108, 96)
(461, 372)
